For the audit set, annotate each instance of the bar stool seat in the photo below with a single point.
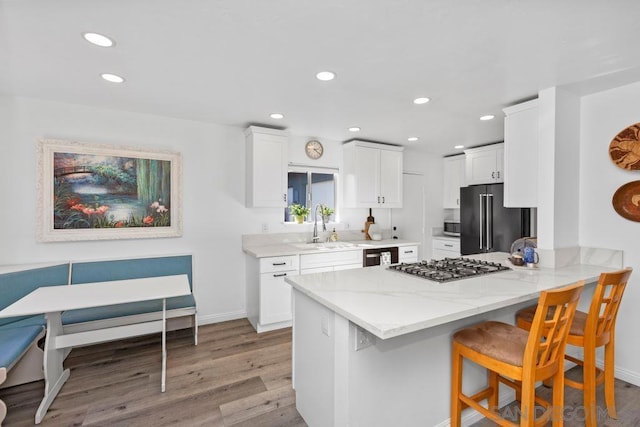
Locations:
(518, 359)
(590, 331)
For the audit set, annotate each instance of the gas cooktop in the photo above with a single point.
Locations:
(449, 269)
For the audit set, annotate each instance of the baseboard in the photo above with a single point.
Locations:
(221, 317)
(472, 416)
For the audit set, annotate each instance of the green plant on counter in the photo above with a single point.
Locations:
(326, 211)
(299, 212)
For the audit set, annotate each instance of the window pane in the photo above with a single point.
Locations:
(323, 189)
(296, 192)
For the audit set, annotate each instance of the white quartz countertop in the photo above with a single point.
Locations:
(299, 248)
(389, 303)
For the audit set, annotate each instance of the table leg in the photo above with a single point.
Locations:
(164, 343)
(54, 374)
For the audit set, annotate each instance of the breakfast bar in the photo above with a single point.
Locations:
(373, 346)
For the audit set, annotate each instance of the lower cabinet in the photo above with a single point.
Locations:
(268, 295)
(445, 248)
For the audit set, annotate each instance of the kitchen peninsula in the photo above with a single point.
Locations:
(371, 347)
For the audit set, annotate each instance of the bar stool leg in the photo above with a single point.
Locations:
(557, 419)
(456, 388)
(609, 379)
(527, 404)
(589, 380)
(495, 387)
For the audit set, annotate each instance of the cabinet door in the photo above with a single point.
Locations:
(391, 179)
(521, 155)
(483, 165)
(368, 177)
(275, 297)
(453, 180)
(266, 169)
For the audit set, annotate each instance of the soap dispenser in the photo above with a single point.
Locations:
(334, 235)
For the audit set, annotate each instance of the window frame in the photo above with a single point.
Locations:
(309, 170)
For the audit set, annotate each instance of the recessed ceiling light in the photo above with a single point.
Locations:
(112, 78)
(277, 116)
(458, 147)
(487, 117)
(422, 100)
(98, 39)
(412, 138)
(354, 129)
(325, 76)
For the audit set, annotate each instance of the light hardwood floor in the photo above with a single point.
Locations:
(233, 377)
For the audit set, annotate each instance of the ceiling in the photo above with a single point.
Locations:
(233, 62)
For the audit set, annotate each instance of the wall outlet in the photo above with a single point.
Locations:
(364, 339)
(265, 227)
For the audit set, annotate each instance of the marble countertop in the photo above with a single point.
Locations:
(300, 248)
(389, 303)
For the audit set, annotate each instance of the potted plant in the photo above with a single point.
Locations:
(326, 212)
(299, 212)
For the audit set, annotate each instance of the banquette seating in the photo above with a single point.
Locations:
(21, 359)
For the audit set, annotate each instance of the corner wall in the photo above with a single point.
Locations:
(603, 115)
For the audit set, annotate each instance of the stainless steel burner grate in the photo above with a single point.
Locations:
(449, 269)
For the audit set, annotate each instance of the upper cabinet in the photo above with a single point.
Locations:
(521, 155)
(483, 165)
(453, 180)
(372, 175)
(266, 151)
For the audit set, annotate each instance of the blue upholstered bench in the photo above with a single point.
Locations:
(26, 367)
(181, 311)
(20, 356)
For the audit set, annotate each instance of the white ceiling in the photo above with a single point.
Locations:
(233, 62)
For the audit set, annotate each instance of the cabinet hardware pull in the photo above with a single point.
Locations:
(448, 246)
(278, 263)
(382, 199)
(280, 275)
(498, 174)
(378, 199)
(409, 252)
(493, 175)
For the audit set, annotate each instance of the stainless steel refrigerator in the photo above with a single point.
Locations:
(485, 224)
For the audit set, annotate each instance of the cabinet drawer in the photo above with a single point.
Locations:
(446, 245)
(330, 259)
(281, 263)
(408, 254)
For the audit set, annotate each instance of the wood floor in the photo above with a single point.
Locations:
(233, 377)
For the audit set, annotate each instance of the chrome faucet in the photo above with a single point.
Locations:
(315, 223)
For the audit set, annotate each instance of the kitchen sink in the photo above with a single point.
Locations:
(325, 245)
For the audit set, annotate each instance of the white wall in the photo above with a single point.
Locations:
(603, 115)
(213, 184)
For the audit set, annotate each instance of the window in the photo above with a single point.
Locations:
(310, 187)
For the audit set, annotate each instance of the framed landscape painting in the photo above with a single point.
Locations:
(100, 192)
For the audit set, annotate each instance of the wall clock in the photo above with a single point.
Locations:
(314, 149)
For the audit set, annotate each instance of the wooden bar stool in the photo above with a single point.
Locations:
(518, 359)
(590, 331)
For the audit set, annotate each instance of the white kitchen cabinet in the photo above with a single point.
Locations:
(453, 180)
(521, 155)
(444, 247)
(408, 254)
(330, 261)
(266, 161)
(268, 295)
(484, 165)
(372, 175)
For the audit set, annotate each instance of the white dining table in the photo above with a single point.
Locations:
(52, 301)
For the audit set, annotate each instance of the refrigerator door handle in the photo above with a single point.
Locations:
(481, 221)
(489, 205)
